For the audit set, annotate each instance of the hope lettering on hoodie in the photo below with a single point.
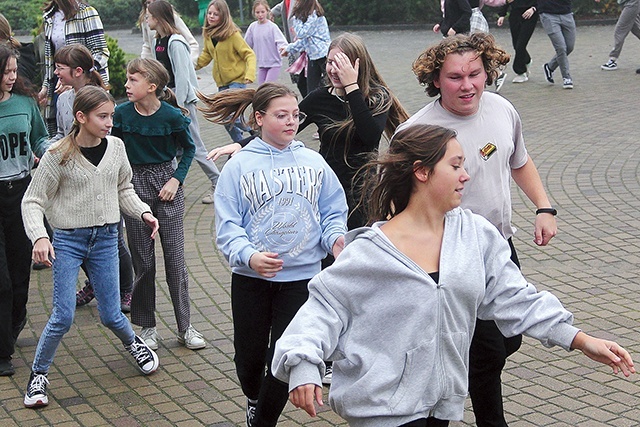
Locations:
(22, 134)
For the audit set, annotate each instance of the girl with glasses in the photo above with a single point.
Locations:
(279, 210)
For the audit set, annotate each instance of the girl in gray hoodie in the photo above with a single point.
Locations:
(398, 322)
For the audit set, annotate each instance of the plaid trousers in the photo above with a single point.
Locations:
(147, 181)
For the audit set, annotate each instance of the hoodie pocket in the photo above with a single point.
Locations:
(418, 387)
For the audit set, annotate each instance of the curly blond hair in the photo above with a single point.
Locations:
(428, 65)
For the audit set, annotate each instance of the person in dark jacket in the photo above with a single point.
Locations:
(27, 66)
(456, 18)
(522, 23)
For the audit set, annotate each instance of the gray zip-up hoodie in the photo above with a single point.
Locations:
(400, 341)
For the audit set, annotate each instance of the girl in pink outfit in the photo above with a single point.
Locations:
(266, 40)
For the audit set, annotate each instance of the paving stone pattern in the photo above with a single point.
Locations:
(585, 143)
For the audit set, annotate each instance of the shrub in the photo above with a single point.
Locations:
(117, 68)
(22, 15)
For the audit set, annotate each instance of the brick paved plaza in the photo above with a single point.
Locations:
(586, 145)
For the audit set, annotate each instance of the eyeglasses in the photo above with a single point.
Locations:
(283, 118)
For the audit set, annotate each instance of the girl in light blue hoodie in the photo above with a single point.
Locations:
(279, 210)
(397, 310)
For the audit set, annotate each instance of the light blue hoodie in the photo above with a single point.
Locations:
(285, 201)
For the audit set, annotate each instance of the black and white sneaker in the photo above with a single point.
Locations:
(567, 83)
(500, 81)
(610, 65)
(146, 359)
(36, 395)
(328, 374)
(548, 74)
(251, 411)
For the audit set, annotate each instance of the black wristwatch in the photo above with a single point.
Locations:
(551, 211)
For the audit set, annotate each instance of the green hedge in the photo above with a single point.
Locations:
(117, 68)
(23, 14)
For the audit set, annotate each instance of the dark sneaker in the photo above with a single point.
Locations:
(567, 83)
(85, 295)
(125, 302)
(637, 70)
(548, 74)
(37, 266)
(6, 367)
(610, 65)
(500, 81)
(328, 374)
(36, 395)
(251, 411)
(146, 358)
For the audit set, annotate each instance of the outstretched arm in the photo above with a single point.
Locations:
(606, 352)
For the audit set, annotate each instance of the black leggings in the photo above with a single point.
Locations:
(262, 310)
(487, 357)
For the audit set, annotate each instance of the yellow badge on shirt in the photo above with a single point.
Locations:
(487, 151)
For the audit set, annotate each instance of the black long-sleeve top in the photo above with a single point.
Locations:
(517, 6)
(325, 109)
(555, 7)
(457, 15)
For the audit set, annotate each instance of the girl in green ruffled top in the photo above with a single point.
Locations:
(152, 128)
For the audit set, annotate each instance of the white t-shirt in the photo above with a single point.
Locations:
(57, 30)
(493, 145)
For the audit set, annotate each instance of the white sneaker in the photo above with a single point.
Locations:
(208, 199)
(150, 337)
(192, 339)
(520, 78)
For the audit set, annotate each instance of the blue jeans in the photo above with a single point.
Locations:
(561, 29)
(236, 128)
(97, 247)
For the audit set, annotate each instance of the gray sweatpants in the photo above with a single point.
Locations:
(561, 29)
(629, 21)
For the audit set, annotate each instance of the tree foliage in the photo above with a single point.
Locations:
(23, 14)
(117, 68)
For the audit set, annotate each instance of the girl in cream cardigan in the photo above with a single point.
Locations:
(83, 182)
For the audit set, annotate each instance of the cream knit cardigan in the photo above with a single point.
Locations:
(79, 194)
